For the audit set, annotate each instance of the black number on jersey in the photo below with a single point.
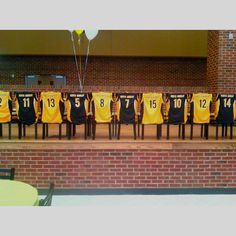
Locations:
(177, 103)
(0, 102)
(153, 104)
(203, 103)
(51, 102)
(227, 102)
(26, 102)
(101, 102)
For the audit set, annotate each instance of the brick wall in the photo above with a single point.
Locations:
(212, 60)
(111, 73)
(221, 61)
(124, 168)
(227, 62)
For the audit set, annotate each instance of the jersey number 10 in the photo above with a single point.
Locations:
(177, 103)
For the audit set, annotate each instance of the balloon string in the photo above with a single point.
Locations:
(76, 62)
(80, 60)
(86, 63)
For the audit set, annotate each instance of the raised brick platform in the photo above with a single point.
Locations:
(122, 164)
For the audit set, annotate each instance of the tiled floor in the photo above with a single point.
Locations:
(144, 200)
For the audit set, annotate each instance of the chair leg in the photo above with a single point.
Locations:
(0, 130)
(217, 131)
(226, 130)
(138, 127)
(202, 130)
(109, 127)
(183, 131)
(159, 131)
(9, 130)
(134, 128)
(191, 131)
(206, 133)
(115, 126)
(179, 134)
(231, 131)
(94, 129)
(43, 131)
(74, 130)
(68, 130)
(36, 131)
(118, 131)
(168, 131)
(24, 130)
(60, 131)
(223, 130)
(19, 130)
(47, 130)
(142, 131)
(85, 130)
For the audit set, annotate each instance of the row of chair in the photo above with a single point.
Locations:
(114, 130)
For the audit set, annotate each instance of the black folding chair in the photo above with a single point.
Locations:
(47, 201)
(8, 173)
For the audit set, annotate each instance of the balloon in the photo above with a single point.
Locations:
(91, 34)
(79, 32)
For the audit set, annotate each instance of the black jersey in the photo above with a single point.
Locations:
(177, 108)
(225, 109)
(27, 107)
(77, 107)
(127, 106)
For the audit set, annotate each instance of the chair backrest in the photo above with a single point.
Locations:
(7, 173)
(47, 201)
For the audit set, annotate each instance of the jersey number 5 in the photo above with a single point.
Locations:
(77, 102)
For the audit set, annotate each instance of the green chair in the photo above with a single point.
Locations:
(7, 173)
(47, 201)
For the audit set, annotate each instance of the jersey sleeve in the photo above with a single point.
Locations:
(217, 106)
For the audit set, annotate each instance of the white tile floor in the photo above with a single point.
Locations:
(144, 200)
(121, 215)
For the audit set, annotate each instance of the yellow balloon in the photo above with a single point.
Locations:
(79, 32)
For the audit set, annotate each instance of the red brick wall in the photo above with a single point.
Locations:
(221, 61)
(124, 168)
(212, 60)
(112, 73)
(227, 62)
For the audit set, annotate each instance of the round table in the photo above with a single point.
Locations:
(16, 193)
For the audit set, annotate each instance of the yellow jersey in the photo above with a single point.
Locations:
(5, 107)
(151, 105)
(52, 107)
(200, 108)
(102, 106)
